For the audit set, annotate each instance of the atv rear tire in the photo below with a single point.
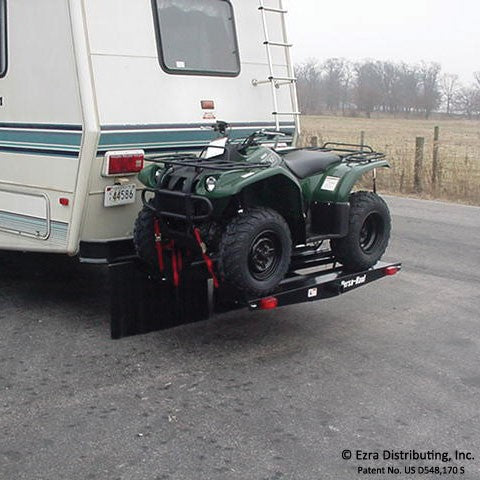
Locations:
(255, 251)
(144, 239)
(368, 234)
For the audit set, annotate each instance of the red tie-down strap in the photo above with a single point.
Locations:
(158, 244)
(176, 254)
(179, 260)
(175, 269)
(208, 261)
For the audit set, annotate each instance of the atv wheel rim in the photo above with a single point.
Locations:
(371, 232)
(264, 256)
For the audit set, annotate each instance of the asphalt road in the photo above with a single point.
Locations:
(270, 396)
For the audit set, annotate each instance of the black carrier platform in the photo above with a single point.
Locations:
(141, 304)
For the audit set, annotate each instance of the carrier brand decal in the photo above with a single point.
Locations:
(356, 282)
(41, 139)
(312, 292)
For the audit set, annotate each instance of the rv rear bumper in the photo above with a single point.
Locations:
(105, 252)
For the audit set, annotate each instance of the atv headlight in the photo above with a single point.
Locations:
(210, 184)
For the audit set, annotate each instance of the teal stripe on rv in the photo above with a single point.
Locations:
(52, 140)
(168, 139)
(34, 226)
(37, 140)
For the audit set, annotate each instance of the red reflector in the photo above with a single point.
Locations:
(268, 303)
(208, 105)
(124, 162)
(64, 201)
(391, 271)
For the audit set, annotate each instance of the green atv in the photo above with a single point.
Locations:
(242, 209)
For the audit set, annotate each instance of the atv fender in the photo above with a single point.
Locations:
(272, 188)
(348, 174)
(283, 195)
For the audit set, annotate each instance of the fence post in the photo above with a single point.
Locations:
(362, 139)
(314, 141)
(418, 175)
(436, 172)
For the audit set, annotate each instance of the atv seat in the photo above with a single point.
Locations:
(305, 163)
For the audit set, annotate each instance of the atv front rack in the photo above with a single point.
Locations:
(209, 164)
(222, 162)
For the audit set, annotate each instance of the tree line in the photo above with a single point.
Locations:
(338, 85)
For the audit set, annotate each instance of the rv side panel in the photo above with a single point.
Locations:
(40, 127)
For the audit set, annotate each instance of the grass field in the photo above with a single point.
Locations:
(459, 152)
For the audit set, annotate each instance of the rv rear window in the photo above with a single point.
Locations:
(197, 37)
(3, 37)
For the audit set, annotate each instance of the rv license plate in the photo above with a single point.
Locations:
(120, 195)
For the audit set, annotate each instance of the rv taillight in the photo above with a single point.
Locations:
(124, 163)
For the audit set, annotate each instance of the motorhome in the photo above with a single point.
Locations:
(90, 90)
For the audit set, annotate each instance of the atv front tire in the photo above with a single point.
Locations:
(368, 233)
(255, 251)
(144, 239)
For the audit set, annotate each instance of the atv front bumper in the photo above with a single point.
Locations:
(186, 207)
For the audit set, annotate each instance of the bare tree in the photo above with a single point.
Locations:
(308, 84)
(348, 79)
(449, 87)
(430, 96)
(390, 76)
(468, 101)
(477, 78)
(334, 72)
(408, 86)
(368, 91)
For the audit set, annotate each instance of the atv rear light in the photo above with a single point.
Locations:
(123, 163)
(391, 271)
(268, 303)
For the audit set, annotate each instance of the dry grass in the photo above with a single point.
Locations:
(459, 152)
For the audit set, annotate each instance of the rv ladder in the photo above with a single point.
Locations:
(277, 81)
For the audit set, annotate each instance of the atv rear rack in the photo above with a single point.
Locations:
(351, 152)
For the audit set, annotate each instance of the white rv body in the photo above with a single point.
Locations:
(83, 78)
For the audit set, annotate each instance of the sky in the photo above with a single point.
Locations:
(443, 31)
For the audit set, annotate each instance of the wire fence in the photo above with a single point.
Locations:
(445, 169)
